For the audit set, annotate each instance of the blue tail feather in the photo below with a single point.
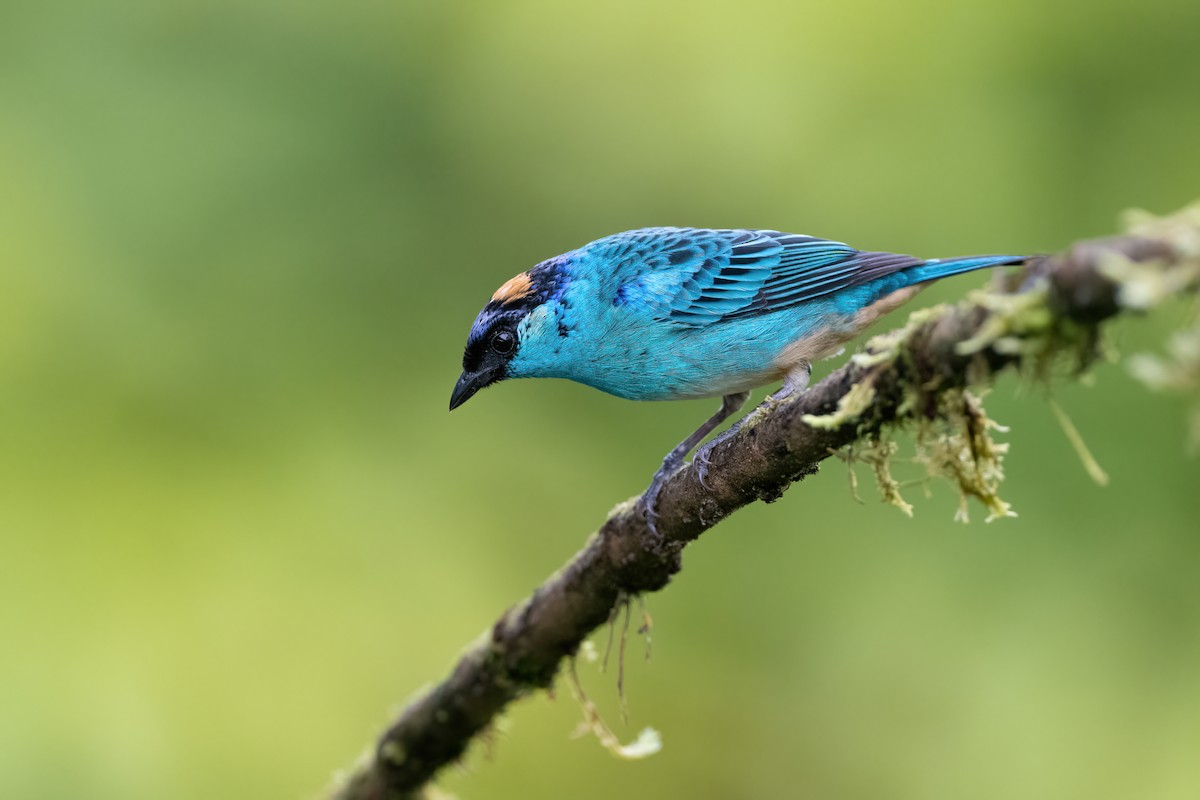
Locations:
(944, 267)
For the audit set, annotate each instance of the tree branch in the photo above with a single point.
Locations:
(1053, 305)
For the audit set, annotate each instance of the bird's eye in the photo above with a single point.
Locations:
(503, 342)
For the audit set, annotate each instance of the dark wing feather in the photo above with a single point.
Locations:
(728, 279)
(761, 272)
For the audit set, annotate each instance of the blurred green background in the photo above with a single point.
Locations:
(240, 247)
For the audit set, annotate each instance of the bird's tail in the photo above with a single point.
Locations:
(944, 267)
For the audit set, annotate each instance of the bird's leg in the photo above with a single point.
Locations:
(729, 405)
(794, 383)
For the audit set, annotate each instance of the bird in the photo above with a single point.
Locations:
(681, 313)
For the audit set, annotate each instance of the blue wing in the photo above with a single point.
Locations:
(697, 277)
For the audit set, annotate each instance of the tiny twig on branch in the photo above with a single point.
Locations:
(1054, 305)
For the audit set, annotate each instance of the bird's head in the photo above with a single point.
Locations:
(517, 332)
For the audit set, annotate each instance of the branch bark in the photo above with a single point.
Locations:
(1052, 304)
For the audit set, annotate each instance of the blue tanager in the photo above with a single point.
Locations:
(676, 313)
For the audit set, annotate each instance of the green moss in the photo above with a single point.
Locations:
(887, 347)
(1178, 370)
(1093, 468)
(1181, 230)
(1016, 324)
(877, 452)
(850, 407)
(957, 445)
(1144, 287)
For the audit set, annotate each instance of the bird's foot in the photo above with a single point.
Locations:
(792, 386)
(674, 460)
(649, 501)
(701, 461)
(647, 505)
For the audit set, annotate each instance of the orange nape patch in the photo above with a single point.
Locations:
(514, 289)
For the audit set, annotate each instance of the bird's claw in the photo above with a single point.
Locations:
(651, 515)
(701, 460)
(701, 463)
(649, 501)
(647, 504)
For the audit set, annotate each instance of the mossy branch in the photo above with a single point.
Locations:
(919, 374)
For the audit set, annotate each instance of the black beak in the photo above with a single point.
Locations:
(469, 383)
